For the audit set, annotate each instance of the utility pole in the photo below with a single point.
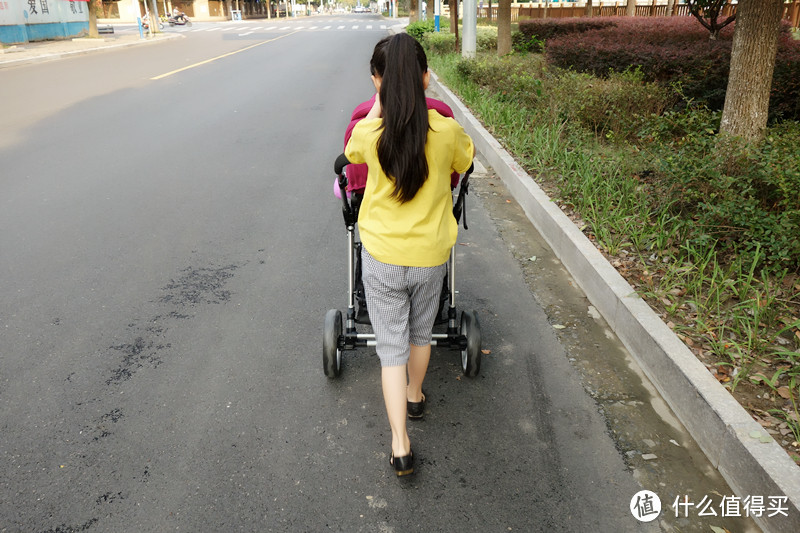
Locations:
(470, 18)
(154, 18)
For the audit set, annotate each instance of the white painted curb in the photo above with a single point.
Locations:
(719, 425)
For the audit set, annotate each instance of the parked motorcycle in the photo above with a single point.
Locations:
(180, 19)
(146, 22)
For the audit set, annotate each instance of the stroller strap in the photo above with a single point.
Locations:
(459, 208)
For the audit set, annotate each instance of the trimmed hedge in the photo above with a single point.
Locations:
(485, 37)
(439, 43)
(444, 41)
(674, 51)
(418, 29)
(544, 29)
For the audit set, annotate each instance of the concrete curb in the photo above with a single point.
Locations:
(5, 63)
(719, 425)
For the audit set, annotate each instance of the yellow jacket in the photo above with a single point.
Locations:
(420, 232)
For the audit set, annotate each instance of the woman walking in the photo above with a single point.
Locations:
(406, 226)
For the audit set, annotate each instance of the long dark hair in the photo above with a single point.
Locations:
(377, 63)
(401, 63)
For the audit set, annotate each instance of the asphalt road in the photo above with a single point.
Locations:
(170, 246)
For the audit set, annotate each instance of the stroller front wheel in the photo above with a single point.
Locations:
(471, 354)
(331, 353)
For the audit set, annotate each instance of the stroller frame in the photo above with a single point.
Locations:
(462, 334)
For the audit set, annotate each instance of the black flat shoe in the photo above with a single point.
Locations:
(403, 466)
(416, 410)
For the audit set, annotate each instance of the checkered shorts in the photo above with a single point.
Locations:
(402, 304)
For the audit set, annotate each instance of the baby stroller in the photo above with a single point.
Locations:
(462, 333)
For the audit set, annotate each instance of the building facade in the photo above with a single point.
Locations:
(22, 21)
(128, 10)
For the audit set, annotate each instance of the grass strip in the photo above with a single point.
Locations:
(738, 312)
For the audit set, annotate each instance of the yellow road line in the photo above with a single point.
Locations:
(220, 57)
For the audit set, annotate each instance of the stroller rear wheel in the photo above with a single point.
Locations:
(331, 353)
(471, 354)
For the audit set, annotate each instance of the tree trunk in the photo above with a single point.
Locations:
(503, 27)
(413, 10)
(94, 7)
(589, 9)
(454, 21)
(670, 7)
(630, 8)
(755, 43)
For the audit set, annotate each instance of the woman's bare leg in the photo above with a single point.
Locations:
(393, 379)
(417, 368)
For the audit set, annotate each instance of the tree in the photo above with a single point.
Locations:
(589, 8)
(504, 27)
(707, 12)
(755, 44)
(454, 21)
(95, 7)
(413, 11)
(671, 7)
(630, 8)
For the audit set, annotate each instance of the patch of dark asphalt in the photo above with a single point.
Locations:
(147, 349)
(195, 286)
(136, 355)
(109, 497)
(64, 528)
(199, 286)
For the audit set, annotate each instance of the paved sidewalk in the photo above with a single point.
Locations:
(38, 51)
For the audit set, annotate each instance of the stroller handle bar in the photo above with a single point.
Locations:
(340, 163)
(347, 210)
(349, 215)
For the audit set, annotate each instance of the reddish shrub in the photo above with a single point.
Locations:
(544, 29)
(672, 50)
(784, 101)
(667, 49)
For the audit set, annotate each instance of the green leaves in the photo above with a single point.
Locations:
(419, 28)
